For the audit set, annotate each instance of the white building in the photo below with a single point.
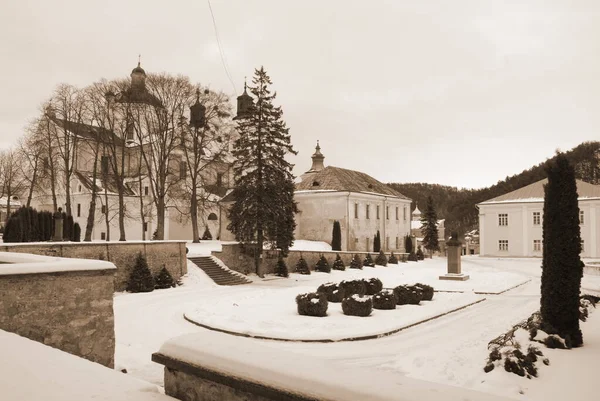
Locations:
(511, 225)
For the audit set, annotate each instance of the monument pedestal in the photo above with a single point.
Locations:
(456, 277)
(454, 250)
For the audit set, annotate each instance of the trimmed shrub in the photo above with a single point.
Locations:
(420, 255)
(381, 259)
(332, 291)
(336, 237)
(13, 232)
(357, 305)
(312, 304)
(207, 236)
(408, 295)
(393, 260)
(302, 266)
(141, 279)
(385, 299)
(356, 262)
(76, 233)
(352, 287)
(412, 257)
(368, 261)
(323, 265)
(408, 245)
(338, 264)
(427, 291)
(373, 286)
(164, 279)
(377, 242)
(281, 269)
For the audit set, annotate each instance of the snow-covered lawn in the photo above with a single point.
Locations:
(204, 248)
(272, 313)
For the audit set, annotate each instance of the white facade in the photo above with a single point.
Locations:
(512, 226)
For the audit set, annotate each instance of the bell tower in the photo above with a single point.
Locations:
(244, 104)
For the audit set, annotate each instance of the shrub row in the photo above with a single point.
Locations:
(324, 267)
(141, 279)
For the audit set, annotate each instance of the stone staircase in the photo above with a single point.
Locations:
(218, 274)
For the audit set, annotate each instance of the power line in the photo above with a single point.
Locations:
(221, 53)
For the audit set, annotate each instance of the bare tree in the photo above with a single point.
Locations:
(31, 153)
(12, 182)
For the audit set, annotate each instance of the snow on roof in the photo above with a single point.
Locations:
(34, 371)
(24, 263)
(271, 366)
(535, 193)
(13, 202)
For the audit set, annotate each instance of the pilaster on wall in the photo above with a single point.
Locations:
(481, 234)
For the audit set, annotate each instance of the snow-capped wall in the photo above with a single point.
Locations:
(63, 303)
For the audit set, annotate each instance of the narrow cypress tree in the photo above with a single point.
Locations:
(429, 228)
(377, 242)
(562, 268)
(264, 207)
(336, 237)
(408, 245)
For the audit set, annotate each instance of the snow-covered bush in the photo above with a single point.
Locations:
(357, 305)
(556, 341)
(373, 286)
(384, 299)
(164, 279)
(427, 291)
(338, 264)
(520, 364)
(393, 260)
(352, 287)
(312, 304)
(323, 265)
(302, 266)
(412, 257)
(281, 269)
(140, 279)
(332, 291)
(368, 261)
(356, 262)
(381, 259)
(408, 295)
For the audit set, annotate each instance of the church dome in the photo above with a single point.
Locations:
(138, 69)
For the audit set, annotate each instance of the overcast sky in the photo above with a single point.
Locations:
(456, 92)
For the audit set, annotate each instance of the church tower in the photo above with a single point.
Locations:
(138, 78)
(317, 160)
(244, 104)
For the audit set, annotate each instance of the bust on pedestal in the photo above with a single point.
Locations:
(58, 225)
(454, 249)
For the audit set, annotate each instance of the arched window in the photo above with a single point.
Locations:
(212, 216)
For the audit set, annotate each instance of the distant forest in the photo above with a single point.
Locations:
(457, 206)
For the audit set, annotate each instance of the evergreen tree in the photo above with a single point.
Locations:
(377, 242)
(381, 259)
(338, 264)
(408, 245)
(207, 236)
(336, 237)
(141, 279)
(368, 261)
(264, 207)
(76, 233)
(302, 266)
(281, 269)
(164, 279)
(356, 262)
(429, 228)
(562, 268)
(323, 265)
(393, 259)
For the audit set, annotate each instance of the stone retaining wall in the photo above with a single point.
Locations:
(170, 254)
(236, 259)
(68, 310)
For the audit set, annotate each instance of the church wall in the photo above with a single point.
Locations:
(317, 213)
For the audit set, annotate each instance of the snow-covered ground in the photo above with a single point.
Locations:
(204, 248)
(448, 350)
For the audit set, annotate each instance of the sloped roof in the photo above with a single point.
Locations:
(341, 179)
(88, 131)
(535, 193)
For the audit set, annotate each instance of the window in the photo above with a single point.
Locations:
(103, 208)
(145, 227)
(220, 180)
(146, 191)
(103, 236)
(503, 245)
(356, 210)
(404, 213)
(377, 212)
(537, 245)
(182, 170)
(368, 215)
(387, 212)
(212, 216)
(582, 246)
(79, 188)
(581, 217)
(79, 210)
(104, 164)
(368, 244)
(356, 240)
(396, 212)
(537, 218)
(397, 239)
(387, 242)
(502, 219)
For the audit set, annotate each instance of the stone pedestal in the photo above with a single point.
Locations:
(58, 226)
(454, 250)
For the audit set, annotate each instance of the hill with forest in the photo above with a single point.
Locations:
(457, 206)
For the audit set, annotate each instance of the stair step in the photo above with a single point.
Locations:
(217, 273)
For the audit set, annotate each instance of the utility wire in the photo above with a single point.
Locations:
(223, 61)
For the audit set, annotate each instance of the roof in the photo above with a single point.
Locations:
(535, 193)
(341, 179)
(88, 131)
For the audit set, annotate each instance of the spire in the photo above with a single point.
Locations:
(317, 160)
(244, 103)
(197, 112)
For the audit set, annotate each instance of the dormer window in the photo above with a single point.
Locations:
(316, 183)
(370, 186)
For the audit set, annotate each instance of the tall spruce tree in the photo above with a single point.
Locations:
(336, 237)
(429, 228)
(264, 207)
(562, 268)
